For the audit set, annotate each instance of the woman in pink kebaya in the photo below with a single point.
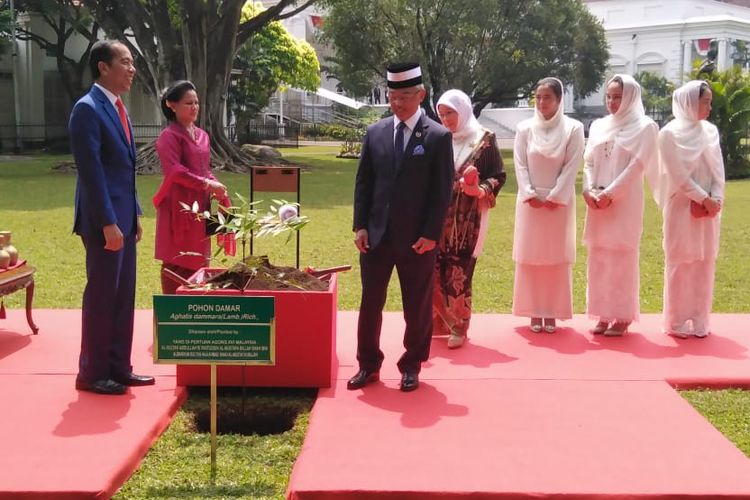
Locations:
(185, 155)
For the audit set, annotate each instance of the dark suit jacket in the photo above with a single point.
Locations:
(409, 200)
(105, 190)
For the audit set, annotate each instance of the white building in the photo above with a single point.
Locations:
(666, 37)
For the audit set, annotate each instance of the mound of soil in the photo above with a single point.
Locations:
(257, 273)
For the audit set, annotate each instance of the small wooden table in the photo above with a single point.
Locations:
(16, 278)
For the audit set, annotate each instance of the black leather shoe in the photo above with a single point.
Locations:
(104, 386)
(409, 382)
(361, 379)
(131, 379)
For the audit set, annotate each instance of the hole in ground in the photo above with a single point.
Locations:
(265, 411)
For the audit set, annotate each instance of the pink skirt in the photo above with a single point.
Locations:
(543, 291)
(688, 294)
(612, 292)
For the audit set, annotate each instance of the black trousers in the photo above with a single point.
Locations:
(416, 276)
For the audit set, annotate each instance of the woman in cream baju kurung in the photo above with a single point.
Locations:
(547, 154)
(620, 147)
(690, 192)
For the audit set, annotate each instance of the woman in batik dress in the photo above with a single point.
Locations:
(479, 175)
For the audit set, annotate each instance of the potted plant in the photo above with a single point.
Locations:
(305, 306)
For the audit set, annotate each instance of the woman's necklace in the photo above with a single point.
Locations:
(609, 146)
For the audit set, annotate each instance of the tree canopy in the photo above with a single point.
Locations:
(65, 19)
(189, 39)
(656, 94)
(494, 50)
(268, 58)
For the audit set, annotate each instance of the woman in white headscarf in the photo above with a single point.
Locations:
(620, 148)
(690, 191)
(547, 154)
(479, 175)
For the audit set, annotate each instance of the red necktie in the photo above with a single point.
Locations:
(123, 117)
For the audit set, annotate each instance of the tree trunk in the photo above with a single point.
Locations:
(62, 22)
(428, 105)
(201, 48)
(210, 74)
(147, 161)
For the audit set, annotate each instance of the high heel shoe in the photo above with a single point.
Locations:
(536, 325)
(600, 328)
(549, 325)
(618, 329)
(455, 341)
(679, 331)
(699, 330)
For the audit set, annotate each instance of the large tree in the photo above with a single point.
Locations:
(193, 39)
(495, 50)
(65, 19)
(270, 57)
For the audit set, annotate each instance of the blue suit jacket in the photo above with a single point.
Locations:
(409, 200)
(105, 190)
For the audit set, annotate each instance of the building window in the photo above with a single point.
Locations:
(652, 62)
(655, 68)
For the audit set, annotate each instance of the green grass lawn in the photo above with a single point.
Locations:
(179, 464)
(728, 411)
(36, 205)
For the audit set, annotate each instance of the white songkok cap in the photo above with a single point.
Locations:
(403, 75)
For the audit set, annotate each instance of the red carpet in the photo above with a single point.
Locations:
(511, 415)
(521, 415)
(57, 442)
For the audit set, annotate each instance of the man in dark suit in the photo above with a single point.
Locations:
(107, 219)
(402, 192)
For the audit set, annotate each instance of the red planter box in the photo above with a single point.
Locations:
(305, 341)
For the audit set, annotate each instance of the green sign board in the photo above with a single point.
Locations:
(208, 329)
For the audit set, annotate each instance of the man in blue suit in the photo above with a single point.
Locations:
(402, 192)
(107, 219)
